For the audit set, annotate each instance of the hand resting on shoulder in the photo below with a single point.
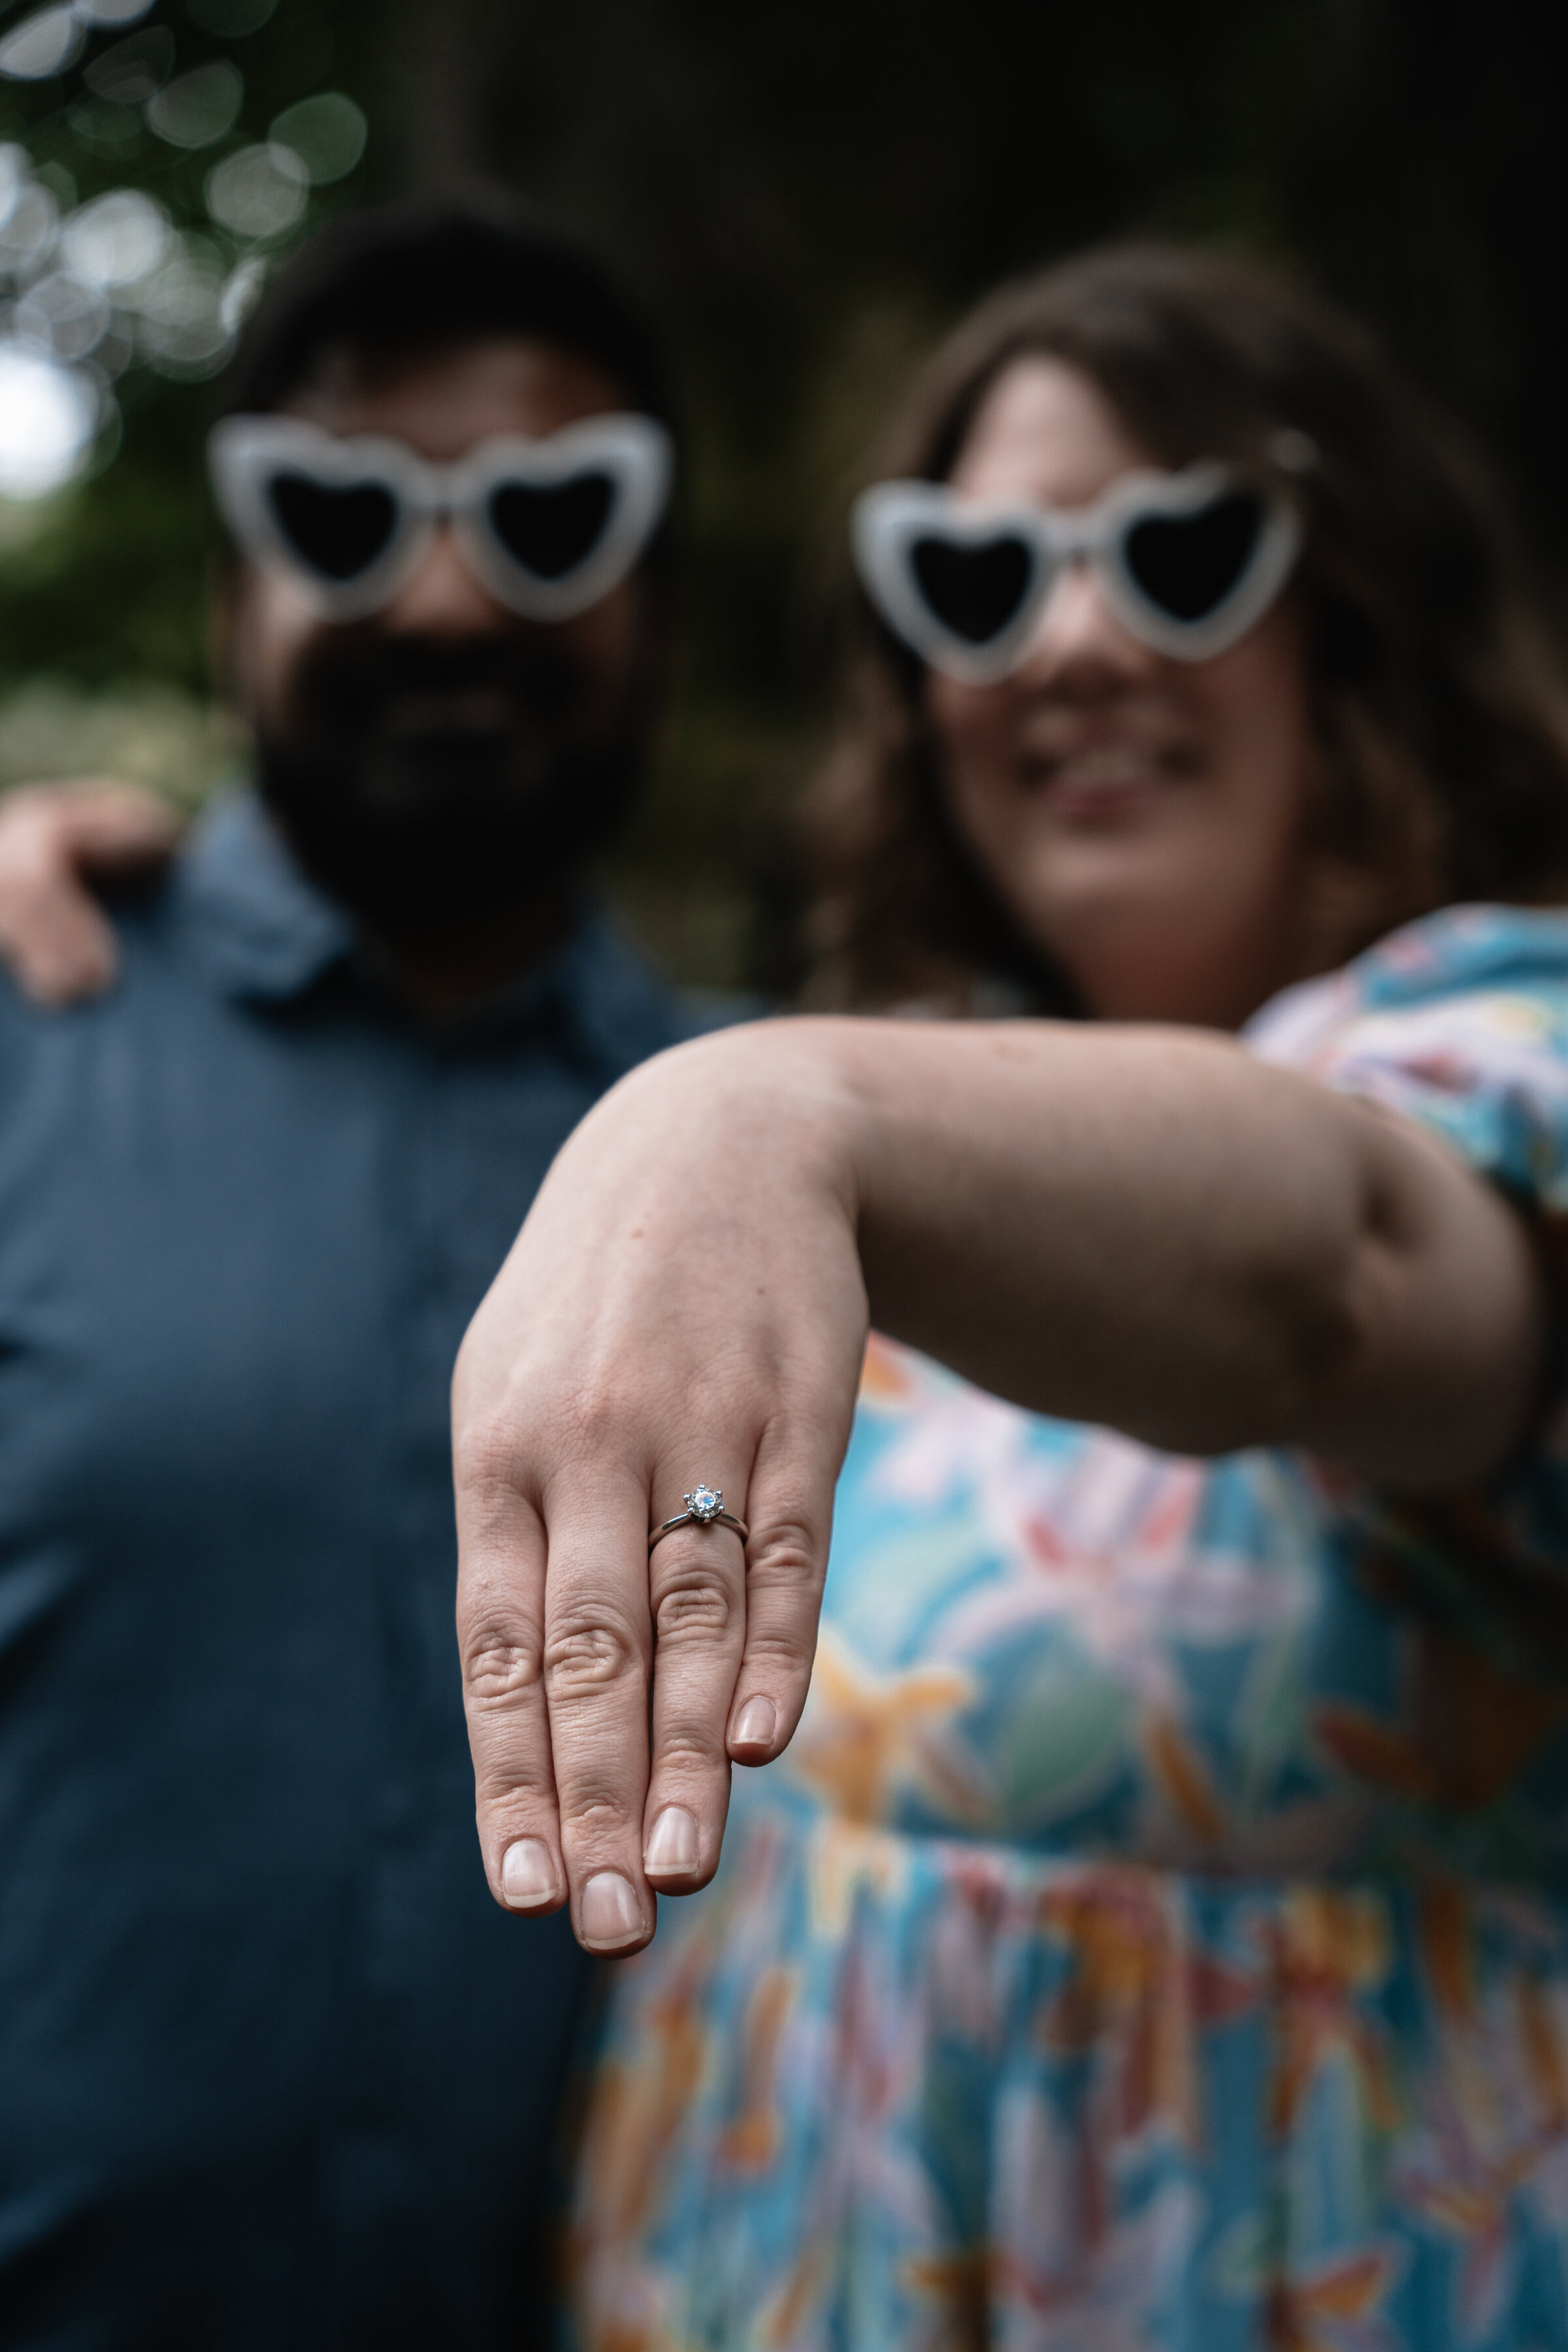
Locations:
(58, 840)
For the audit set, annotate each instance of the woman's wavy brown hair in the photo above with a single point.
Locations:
(1441, 712)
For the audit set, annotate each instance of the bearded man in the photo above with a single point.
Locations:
(276, 2072)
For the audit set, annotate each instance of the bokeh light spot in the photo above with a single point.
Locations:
(28, 226)
(198, 106)
(180, 331)
(131, 71)
(258, 193)
(62, 316)
(117, 238)
(242, 293)
(48, 416)
(41, 44)
(327, 133)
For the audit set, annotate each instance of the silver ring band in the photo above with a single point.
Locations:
(690, 1519)
(704, 1508)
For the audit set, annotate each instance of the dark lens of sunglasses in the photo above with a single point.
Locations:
(1188, 564)
(975, 591)
(338, 532)
(550, 530)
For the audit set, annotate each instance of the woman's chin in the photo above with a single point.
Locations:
(1141, 945)
(1122, 873)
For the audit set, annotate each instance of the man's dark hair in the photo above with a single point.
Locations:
(424, 274)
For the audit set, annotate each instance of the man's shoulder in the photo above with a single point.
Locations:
(142, 917)
(215, 925)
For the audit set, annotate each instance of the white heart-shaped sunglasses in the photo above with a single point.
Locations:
(1186, 561)
(549, 525)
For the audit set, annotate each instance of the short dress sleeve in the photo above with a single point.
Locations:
(1460, 1024)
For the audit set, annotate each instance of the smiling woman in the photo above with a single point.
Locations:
(1155, 1934)
(1432, 740)
(1140, 813)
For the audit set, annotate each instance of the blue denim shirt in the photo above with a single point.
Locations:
(274, 2070)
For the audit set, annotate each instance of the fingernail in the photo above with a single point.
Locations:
(611, 1914)
(755, 1724)
(527, 1873)
(672, 1844)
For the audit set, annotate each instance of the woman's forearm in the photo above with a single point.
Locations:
(1151, 1228)
(1141, 1227)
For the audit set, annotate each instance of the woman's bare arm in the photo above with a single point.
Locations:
(1151, 1228)
(1145, 1227)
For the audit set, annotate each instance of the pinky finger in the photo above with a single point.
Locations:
(786, 1561)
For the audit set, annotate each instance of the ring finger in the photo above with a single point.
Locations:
(697, 1586)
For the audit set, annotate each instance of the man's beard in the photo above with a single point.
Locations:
(433, 784)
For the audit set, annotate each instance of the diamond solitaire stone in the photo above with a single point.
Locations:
(704, 1503)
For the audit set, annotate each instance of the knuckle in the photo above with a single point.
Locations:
(500, 1665)
(789, 1557)
(594, 1820)
(696, 1602)
(590, 1412)
(514, 1787)
(485, 1455)
(789, 1647)
(589, 1655)
(597, 1414)
(684, 1758)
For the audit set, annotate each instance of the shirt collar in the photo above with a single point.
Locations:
(262, 928)
(267, 934)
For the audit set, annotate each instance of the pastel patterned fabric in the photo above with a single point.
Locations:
(1157, 1935)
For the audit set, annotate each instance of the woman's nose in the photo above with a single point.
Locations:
(1079, 639)
(442, 597)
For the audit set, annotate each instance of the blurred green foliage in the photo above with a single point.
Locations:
(108, 582)
(806, 194)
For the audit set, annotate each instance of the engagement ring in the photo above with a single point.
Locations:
(704, 1508)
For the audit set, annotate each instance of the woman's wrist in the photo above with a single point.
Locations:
(797, 1094)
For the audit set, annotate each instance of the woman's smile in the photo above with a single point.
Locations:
(1100, 774)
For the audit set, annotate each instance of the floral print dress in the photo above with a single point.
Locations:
(1157, 1934)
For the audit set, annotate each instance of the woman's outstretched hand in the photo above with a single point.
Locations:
(684, 1306)
(1145, 1227)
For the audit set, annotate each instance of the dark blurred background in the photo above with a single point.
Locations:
(806, 195)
